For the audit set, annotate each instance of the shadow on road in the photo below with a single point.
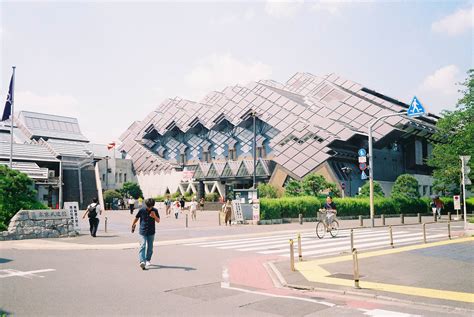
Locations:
(185, 268)
(2, 260)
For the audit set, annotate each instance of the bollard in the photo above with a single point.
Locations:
(449, 230)
(300, 216)
(186, 220)
(356, 268)
(424, 232)
(352, 240)
(449, 215)
(402, 219)
(383, 219)
(105, 224)
(292, 256)
(300, 254)
(361, 221)
(419, 217)
(391, 235)
(219, 216)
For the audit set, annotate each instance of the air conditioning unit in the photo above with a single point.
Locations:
(51, 173)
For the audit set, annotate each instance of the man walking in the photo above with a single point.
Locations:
(148, 215)
(131, 204)
(93, 211)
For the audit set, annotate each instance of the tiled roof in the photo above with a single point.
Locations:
(30, 152)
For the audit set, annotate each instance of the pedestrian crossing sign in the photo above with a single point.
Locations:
(363, 176)
(416, 108)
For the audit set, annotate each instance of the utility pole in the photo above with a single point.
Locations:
(254, 150)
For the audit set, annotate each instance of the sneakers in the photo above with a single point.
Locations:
(147, 263)
(142, 265)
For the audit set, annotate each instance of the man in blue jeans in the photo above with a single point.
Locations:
(148, 215)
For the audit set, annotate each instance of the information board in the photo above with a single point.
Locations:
(73, 207)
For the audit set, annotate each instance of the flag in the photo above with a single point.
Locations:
(7, 111)
(110, 145)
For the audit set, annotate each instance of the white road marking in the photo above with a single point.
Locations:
(28, 274)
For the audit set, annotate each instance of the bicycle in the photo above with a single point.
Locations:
(322, 226)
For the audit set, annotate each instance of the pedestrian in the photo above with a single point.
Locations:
(148, 215)
(437, 205)
(193, 208)
(131, 204)
(140, 201)
(182, 203)
(177, 208)
(93, 211)
(228, 212)
(201, 204)
(167, 203)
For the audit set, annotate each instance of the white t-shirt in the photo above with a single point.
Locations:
(97, 209)
(131, 201)
(193, 205)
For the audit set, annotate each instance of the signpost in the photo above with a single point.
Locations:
(457, 205)
(465, 170)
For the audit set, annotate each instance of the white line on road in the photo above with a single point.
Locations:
(28, 274)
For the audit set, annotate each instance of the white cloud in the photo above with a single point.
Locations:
(282, 8)
(215, 72)
(456, 23)
(440, 90)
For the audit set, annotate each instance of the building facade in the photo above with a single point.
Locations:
(310, 124)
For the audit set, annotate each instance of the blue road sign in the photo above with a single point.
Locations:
(362, 152)
(362, 166)
(363, 176)
(416, 108)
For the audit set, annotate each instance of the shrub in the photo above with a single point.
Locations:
(176, 195)
(268, 191)
(293, 189)
(160, 198)
(212, 197)
(406, 186)
(289, 207)
(131, 189)
(110, 194)
(365, 190)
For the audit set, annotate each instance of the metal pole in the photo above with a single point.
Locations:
(300, 216)
(383, 219)
(292, 256)
(391, 235)
(449, 215)
(219, 216)
(352, 240)
(449, 230)
(254, 150)
(464, 193)
(186, 220)
(419, 217)
(60, 183)
(300, 253)
(105, 224)
(402, 219)
(12, 98)
(424, 232)
(356, 268)
(361, 221)
(106, 172)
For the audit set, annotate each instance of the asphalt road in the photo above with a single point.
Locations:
(186, 279)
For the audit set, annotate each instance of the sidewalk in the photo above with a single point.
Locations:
(438, 273)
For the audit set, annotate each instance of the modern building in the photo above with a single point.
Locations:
(309, 124)
(61, 161)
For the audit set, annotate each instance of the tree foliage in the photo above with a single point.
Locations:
(365, 190)
(268, 191)
(16, 192)
(110, 194)
(312, 185)
(293, 188)
(132, 189)
(405, 187)
(456, 131)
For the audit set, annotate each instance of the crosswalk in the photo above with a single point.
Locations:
(312, 247)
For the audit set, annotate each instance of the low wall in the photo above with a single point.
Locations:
(36, 224)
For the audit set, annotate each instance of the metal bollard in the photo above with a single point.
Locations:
(424, 232)
(449, 230)
(361, 221)
(391, 235)
(419, 217)
(402, 219)
(356, 268)
(300, 254)
(300, 216)
(383, 219)
(186, 220)
(292, 256)
(449, 215)
(352, 240)
(105, 224)
(219, 216)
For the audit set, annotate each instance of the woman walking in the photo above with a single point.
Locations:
(228, 212)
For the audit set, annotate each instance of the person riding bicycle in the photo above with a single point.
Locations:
(331, 211)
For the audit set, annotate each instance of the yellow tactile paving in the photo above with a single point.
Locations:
(313, 272)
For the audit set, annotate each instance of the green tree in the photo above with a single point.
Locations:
(131, 189)
(405, 187)
(365, 190)
(268, 191)
(455, 130)
(16, 192)
(313, 184)
(293, 188)
(110, 194)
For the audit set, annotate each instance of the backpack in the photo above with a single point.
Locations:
(92, 211)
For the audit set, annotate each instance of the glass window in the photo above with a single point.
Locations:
(418, 152)
(429, 150)
(103, 177)
(124, 177)
(120, 177)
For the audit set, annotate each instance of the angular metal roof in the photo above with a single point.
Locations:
(31, 169)
(28, 152)
(309, 113)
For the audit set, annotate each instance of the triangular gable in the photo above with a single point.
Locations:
(227, 172)
(219, 167)
(212, 172)
(205, 168)
(260, 170)
(198, 172)
(234, 166)
(243, 171)
(249, 165)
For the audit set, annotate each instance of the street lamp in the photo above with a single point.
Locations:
(348, 171)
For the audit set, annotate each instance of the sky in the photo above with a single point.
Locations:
(111, 63)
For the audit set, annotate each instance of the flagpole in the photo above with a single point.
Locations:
(12, 115)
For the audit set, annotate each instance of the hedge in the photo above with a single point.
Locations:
(291, 207)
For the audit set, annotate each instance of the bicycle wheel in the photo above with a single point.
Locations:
(320, 230)
(334, 228)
